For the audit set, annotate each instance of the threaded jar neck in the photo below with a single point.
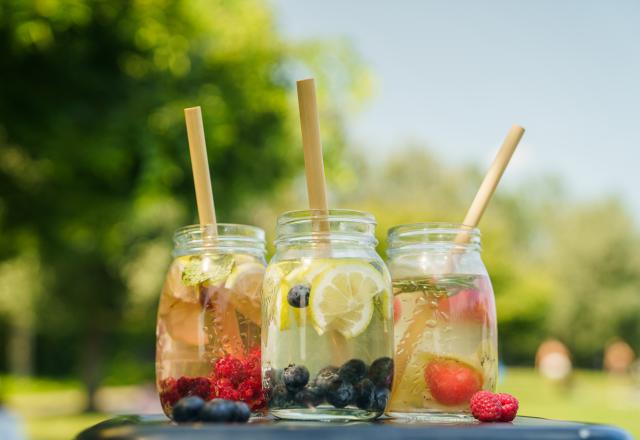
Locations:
(223, 237)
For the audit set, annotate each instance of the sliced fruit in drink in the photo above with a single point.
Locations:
(450, 381)
(408, 391)
(184, 323)
(175, 287)
(245, 284)
(342, 298)
(466, 305)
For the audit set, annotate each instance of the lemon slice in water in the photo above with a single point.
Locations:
(342, 298)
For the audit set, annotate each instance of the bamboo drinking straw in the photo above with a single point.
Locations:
(414, 332)
(313, 162)
(200, 167)
(316, 184)
(225, 321)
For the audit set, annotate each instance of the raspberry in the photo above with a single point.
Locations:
(249, 389)
(251, 367)
(194, 386)
(255, 353)
(169, 395)
(485, 406)
(229, 394)
(509, 406)
(229, 367)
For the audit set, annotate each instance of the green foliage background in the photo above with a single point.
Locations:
(95, 177)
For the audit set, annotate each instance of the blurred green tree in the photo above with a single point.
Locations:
(94, 169)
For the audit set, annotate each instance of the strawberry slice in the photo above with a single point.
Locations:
(397, 309)
(452, 382)
(466, 305)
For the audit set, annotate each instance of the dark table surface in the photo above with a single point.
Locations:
(523, 428)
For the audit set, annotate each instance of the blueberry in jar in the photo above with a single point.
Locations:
(380, 397)
(279, 396)
(310, 396)
(326, 377)
(364, 394)
(340, 394)
(187, 409)
(295, 377)
(298, 296)
(381, 372)
(353, 371)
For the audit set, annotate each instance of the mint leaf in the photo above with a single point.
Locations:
(210, 269)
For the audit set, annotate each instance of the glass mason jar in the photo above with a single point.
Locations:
(208, 328)
(327, 321)
(446, 345)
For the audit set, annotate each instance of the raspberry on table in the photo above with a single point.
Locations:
(509, 406)
(485, 406)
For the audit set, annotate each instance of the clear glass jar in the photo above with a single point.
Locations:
(327, 324)
(446, 345)
(208, 328)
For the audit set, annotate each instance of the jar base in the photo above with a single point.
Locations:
(325, 414)
(431, 417)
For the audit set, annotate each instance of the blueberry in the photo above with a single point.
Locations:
(381, 372)
(326, 378)
(353, 371)
(295, 377)
(241, 412)
(380, 397)
(298, 296)
(309, 396)
(217, 411)
(270, 378)
(364, 394)
(279, 397)
(187, 409)
(340, 394)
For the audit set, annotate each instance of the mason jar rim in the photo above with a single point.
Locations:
(432, 235)
(444, 227)
(294, 216)
(335, 225)
(227, 236)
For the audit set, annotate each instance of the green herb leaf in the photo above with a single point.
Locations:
(210, 269)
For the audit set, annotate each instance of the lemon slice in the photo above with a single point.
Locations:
(342, 298)
(272, 288)
(245, 283)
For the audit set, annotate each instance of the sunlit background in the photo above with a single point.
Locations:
(415, 99)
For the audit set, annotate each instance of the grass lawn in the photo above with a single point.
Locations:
(50, 408)
(592, 397)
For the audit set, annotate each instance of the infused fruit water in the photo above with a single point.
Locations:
(456, 353)
(208, 330)
(327, 338)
